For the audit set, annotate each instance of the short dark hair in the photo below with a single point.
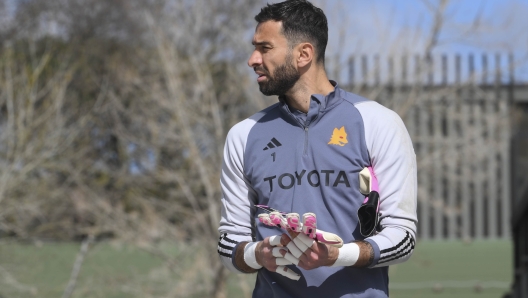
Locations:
(301, 22)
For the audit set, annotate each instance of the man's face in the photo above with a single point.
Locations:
(272, 60)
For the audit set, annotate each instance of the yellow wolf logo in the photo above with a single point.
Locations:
(339, 137)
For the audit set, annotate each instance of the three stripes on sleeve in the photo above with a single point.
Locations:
(397, 253)
(226, 246)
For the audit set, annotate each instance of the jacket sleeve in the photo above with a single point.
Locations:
(394, 163)
(238, 197)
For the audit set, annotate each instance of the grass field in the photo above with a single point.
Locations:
(454, 269)
(437, 269)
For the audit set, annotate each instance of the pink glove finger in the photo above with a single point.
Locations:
(278, 219)
(294, 222)
(265, 219)
(309, 225)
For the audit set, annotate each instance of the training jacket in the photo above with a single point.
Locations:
(296, 162)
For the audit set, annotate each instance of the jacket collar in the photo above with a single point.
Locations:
(318, 103)
(330, 99)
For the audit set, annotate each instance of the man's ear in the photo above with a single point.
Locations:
(306, 53)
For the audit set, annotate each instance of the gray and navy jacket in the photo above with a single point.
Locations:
(296, 162)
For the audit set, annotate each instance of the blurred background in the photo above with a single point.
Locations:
(113, 116)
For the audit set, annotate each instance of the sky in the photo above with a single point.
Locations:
(390, 27)
(398, 27)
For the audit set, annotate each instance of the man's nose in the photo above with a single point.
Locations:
(255, 59)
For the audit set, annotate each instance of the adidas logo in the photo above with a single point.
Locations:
(274, 143)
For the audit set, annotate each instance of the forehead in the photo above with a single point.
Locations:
(269, 32)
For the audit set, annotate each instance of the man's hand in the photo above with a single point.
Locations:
(311, 254)
(316, 255)
(306, 246)
(309, 257)
(272, 253)
(315, 248)
(264, 252)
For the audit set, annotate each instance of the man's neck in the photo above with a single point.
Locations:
(300, 95)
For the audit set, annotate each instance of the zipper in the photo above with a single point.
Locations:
(306, 134)
(305, 128)
(305, 140)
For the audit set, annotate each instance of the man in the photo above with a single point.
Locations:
(304, 155)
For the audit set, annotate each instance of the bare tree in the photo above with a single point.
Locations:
(113, 120)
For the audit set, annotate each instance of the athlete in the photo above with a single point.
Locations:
(295, 174)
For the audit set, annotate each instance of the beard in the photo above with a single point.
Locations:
(284, 78)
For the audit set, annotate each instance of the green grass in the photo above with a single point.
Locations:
(454, 269)
(437, 269)
(46, 268)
